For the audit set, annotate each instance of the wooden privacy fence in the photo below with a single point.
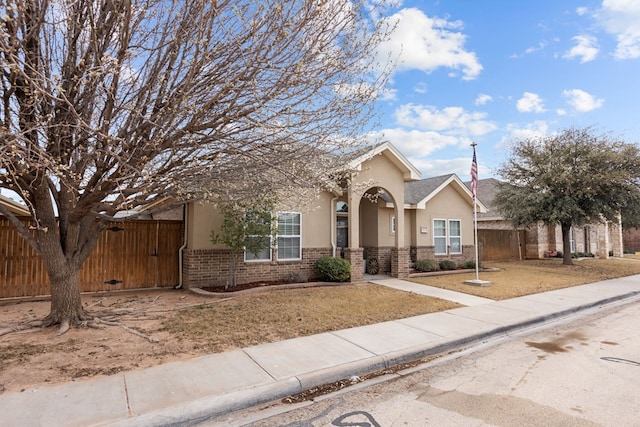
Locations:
(129, 255)
(501, 245)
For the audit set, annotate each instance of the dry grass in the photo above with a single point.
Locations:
(189, 325)
(515, 279)
(277, 315)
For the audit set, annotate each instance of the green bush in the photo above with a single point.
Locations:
(468, 264)
(447, 264)
(426, 265)
(333, 269)
(582, 255)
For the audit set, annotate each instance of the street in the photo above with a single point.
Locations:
(583, 372)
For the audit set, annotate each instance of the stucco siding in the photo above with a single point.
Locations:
(447, 204)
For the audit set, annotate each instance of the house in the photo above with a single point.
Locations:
(386, 217)
(14, 207)
(540, 240)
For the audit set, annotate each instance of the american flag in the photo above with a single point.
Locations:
(474, 175)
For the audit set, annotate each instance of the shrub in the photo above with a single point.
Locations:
(426, 265)
(582, 255)
(468, 264)
(333, 269)
(447, 264)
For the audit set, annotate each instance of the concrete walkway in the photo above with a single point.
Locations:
(431, 291)
(186, 391)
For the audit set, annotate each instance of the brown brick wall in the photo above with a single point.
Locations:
(400, 261)
(428, 252)
(211, 267)
(631, 239)
(383, 255)
(355, 258)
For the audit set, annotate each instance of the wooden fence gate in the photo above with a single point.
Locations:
(129, 255)
(501, 245)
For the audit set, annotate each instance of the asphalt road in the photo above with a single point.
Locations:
(584, 372)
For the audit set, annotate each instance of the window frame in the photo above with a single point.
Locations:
(288, 236)
(439, 237)
(450, 236)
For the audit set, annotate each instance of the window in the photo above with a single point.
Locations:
(263, 254)
(440, 236)
(455, 236)
(289, 236)
(258, 242)
(393, 225)
(447, 236)
(572, 240)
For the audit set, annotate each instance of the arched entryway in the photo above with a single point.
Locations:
(375, 224)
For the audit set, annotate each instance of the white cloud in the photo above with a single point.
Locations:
(388, 94)
(461, 166)
(516, 132)
(421, 87)
(424, 43)
(530, 103)
(582, 101)
(483, 98)
(621, 18)
(561, 112)
(586, 49)
(415, 143)
(581, 11)
(452, 120)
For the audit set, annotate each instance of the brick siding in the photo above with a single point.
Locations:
(212, 267)
(428, 252)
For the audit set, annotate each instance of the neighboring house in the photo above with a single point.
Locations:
(14, 207)
(540, 240)
(386, 214)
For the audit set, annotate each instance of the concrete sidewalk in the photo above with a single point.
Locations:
(186, 391)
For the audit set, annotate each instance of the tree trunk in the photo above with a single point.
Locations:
(66, 306)
(566, 244)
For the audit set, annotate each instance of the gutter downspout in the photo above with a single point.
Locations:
(181, 249)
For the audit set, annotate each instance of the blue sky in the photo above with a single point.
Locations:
(493, 71)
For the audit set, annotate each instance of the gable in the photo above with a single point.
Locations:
(419, 193)
(395, 158)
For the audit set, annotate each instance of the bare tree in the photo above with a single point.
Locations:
(110, 105)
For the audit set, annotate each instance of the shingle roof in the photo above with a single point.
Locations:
(416, 191)
(487, 190)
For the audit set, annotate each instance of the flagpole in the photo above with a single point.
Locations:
(474, 192)
(475, 219)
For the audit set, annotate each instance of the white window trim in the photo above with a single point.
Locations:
(299, 236)
(446, 239)
(449, 235)
(393, 224)
(572, 240)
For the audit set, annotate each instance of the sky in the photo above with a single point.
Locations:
(495, 71)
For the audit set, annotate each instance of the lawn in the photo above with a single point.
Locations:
(184, 324)
(514, 279)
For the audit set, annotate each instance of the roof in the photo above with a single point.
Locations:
(387, 149)
(14, 207)
(486, 191)
(418, 193)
